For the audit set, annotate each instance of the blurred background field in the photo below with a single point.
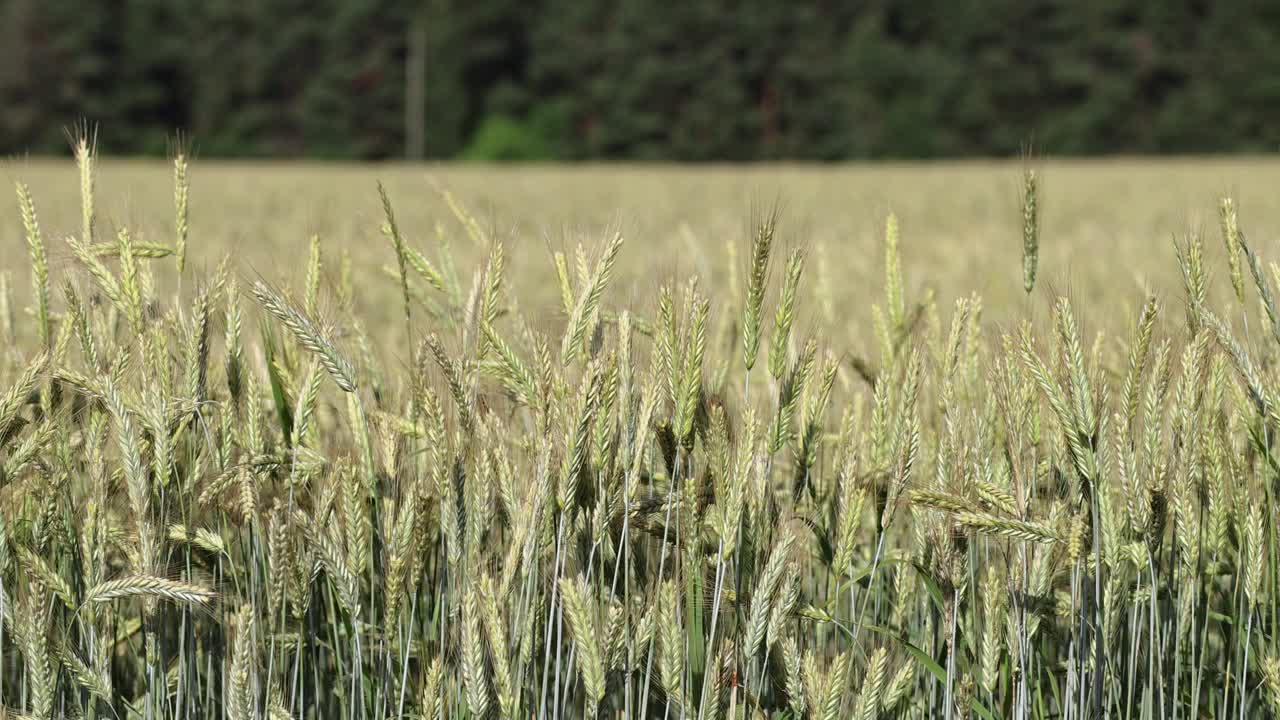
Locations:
(1107, 225)
(629, 91)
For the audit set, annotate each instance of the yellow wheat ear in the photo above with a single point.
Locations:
(1230, 225)
(84, 147)
(181, 193)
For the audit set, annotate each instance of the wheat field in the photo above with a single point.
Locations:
(1107, 225)
(971, 440)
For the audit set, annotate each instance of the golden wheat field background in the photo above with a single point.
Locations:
(1107, 225)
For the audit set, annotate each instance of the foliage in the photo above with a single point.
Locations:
(502, 138)
(712, 80)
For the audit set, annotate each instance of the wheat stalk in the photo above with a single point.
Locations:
(308, 335)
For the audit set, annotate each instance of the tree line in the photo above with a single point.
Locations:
(732, 80)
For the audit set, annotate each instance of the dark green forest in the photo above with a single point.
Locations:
(731, 80)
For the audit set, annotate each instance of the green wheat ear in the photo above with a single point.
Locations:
(785, 315)
(39, 262)
(391, 229)
(757, 278)
(1030, 229)
(894, 299)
